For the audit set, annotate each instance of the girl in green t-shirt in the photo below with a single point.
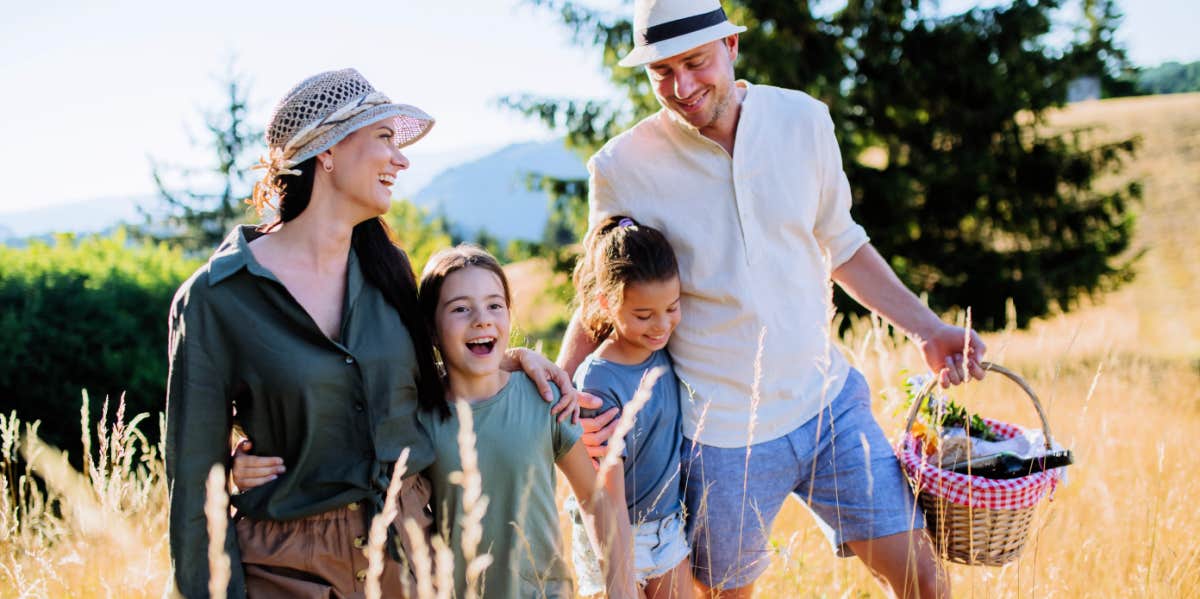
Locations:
(464, 295)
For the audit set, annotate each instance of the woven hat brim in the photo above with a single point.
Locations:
(643, 55)
(413, 124)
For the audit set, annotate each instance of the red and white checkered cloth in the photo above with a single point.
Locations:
(975, 491)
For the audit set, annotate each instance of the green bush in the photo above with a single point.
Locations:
(91, 313)
(85, 313)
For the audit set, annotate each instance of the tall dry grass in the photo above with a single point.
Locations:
(1120, 378)
(100, 533)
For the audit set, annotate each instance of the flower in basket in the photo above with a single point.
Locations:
(939, 412)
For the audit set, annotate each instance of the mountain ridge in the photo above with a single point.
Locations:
(487, 193)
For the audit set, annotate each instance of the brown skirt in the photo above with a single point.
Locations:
(325, 555)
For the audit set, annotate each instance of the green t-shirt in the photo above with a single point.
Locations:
(518, 442)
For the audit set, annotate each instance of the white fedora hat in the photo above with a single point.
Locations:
(664, 28)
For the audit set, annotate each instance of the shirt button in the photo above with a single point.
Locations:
(359, 406)
(349, 359)
(361, 575)
(360, 542)
(353, 507)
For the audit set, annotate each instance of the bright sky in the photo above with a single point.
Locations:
(92, 89)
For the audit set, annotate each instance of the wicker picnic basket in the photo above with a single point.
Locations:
(975, 520)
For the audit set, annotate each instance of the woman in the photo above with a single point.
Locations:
(306, 334)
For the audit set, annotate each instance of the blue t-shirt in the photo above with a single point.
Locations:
(653, 488)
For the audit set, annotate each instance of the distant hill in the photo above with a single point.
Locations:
(490, 193)
(1170, 78)
(487, 193)
(85, 216)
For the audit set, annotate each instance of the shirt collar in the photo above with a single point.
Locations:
(234, 254)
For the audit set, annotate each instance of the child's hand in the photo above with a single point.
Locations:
(251, 471)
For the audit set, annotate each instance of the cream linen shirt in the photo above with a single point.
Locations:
(752, 234)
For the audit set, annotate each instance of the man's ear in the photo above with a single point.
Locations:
(731, 46)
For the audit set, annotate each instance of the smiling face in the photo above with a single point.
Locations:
(472, 323)
(698, 85)
(365, 165)
(647, 315)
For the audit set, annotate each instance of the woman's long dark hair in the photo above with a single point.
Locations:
(385, 266)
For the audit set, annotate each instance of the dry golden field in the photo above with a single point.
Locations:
(1120, 378)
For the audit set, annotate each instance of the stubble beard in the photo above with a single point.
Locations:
(721, 105)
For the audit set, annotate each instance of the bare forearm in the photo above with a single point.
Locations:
(607, 524)
(577, 344)
(870, 281)
(605, 519)
(951, 352)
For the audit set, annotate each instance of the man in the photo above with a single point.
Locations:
(747, 184)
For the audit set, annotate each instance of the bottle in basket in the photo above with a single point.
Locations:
(1004, 466)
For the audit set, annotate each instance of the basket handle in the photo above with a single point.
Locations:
(928, 388)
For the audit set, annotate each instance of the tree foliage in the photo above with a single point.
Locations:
(200, 205)
(85, 313)
(941, 121)
(419, 234)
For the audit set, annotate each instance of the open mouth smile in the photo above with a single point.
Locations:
(481, 346)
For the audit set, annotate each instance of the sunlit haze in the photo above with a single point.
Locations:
(93, 90)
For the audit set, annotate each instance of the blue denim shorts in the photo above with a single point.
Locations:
(658, 546)
(839, 464)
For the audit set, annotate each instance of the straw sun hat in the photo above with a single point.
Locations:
(664, 28)
(318, 113)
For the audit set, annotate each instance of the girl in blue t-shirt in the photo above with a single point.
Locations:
(627, 284)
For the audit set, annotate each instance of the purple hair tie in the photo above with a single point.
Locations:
(626, 222)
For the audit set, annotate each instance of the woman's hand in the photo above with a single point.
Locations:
(251, 471)
(542, 371)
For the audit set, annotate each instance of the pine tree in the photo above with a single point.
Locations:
(200, 205)
(942, 124)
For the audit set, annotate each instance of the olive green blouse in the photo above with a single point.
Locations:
(244, 352)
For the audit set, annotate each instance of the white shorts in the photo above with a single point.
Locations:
(658, 546)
